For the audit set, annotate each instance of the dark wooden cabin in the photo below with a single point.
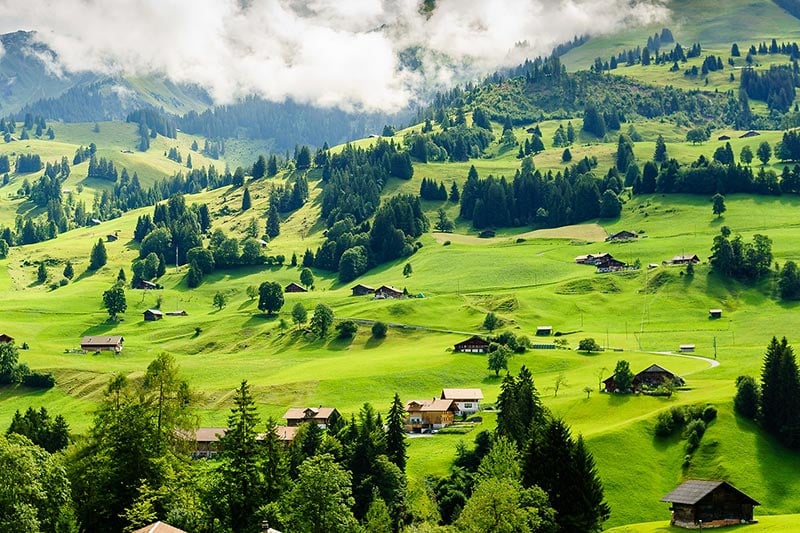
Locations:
(294, 287)
(474, 344)
(714, 503)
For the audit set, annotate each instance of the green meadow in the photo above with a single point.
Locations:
(526, 276)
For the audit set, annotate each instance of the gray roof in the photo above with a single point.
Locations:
(692, 491)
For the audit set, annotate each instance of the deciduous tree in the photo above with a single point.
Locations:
(270, 297)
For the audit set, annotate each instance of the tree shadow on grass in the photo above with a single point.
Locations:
(372, 342)
(338, 343)
(259, 319)
(491, 379)
(244, 304)
(102, 328)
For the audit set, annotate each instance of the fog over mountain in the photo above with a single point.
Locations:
(352, 54)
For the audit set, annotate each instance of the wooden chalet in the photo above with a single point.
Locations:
(111, 237)
(153, 314)
(145, 285)
(649, 378)
(294, 287)
(724, 138)
(207, 441)
(707, 503)
(487, 234)
(653, 376)
(684, 259)
(467, 401)
(592, 259)
(623, 235)
(749, 134)
(286, 434)
(474, 344)
(715, 313)
(426, 415)
(609, 264)
(111, 343)
(362, 290)
(544, 331)
(94, 222)
(6, 338)
(320, 415)
(159, 527)
(387, 291)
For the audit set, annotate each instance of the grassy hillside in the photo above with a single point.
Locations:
(527, 276)
(742, 21)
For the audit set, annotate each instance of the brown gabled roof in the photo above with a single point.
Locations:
(159, 527)
(209, 434)
(286, 433)
(462, 394)
(692, 491)
(309, 413)
(296, 287)
(389, 288)
(156, 312)
(101, 341)
(655, 369)
(435, 404)
(362, 286)
(475, 339)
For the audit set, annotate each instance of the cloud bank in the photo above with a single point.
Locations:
(352, 54)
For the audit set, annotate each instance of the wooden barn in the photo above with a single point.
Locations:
(153, 314)
(685, 259)
(474, 344)
(715, 313)
(111, 237)
(112, 343)
(362, 290)
(6, 338)
(544, 331)
(623, 235)
(700, 502)
(387, 291)
(294, 287)
(320, 416)
(145, 285)
(653, 376)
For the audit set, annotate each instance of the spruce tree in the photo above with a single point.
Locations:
(99, 256)
(69, 271)
(241, 482)
(396, 434)
(246, 202)
(41, 273)
(273, 221)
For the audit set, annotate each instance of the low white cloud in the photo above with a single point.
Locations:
(343, 53)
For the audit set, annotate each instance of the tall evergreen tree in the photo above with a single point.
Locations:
(99, 256)
(246, 202)
(273, 221)
(241, 482)
(396, 434)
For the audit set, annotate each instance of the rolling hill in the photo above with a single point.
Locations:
(525, 274)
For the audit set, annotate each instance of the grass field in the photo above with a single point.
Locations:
(527, 276)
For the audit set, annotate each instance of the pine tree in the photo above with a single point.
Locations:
(660, 154)
(259, 167)
(246, 202)
(272, 166)
(273, 221)
(41, 273)
(69, 271)
(241, 481)
(99, 256)
(396, 434)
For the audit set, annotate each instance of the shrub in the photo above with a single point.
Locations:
(39, 380)
(746, 401)
(379, 330)
(709, 413)
(446, 243)
(347, 329)
(664, 424)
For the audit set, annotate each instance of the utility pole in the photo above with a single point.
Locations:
(715, 346)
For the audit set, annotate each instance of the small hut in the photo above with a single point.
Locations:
(701, 502)
(153, 314)
(715, 313)
(544, 331)
(294, 287)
